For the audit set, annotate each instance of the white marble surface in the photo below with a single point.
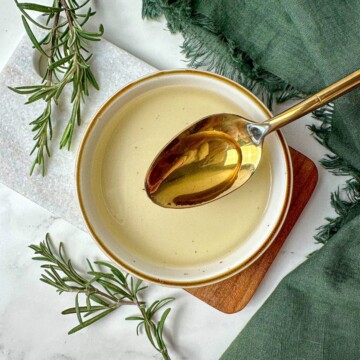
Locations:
(31, 326)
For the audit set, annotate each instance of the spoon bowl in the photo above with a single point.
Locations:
(208, 160)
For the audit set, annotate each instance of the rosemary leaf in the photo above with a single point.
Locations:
(39, 8)
(82, 309)
(134, 318)
(77, 308)
(90, 321)
(60, 62)
(41, 26)
(98, 300)
(32, 37)
(162, 322)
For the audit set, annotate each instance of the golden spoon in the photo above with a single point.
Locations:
(219, 153)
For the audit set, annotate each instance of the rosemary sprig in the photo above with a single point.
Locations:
(64, 45)
(105, 289)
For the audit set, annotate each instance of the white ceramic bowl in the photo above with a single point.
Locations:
(142, 222)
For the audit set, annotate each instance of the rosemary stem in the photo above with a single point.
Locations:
(52, 46)
(161, 348)
(68, 16)
(165, 354)
(107, 296)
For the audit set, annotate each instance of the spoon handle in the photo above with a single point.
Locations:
(312, 103)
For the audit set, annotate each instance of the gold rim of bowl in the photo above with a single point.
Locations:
(208, 280)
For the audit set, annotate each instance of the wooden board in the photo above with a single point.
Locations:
(232, 295)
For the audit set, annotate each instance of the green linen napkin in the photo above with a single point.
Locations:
(315, 311)
(283, 49)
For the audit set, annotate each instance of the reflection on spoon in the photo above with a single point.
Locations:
(193, 169)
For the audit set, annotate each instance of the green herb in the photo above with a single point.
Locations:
(64, 46)
(104, 288)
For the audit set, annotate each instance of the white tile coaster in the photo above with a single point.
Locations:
(56, 192)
